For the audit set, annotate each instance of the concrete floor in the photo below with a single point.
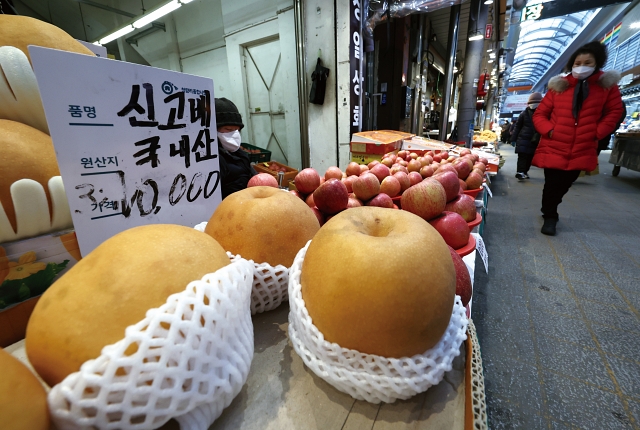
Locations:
(558, 318)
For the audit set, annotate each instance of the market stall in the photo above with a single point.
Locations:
(626, 151)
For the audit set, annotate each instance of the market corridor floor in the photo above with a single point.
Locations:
(558, 317)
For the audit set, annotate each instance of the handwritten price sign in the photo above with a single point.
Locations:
(135, 145)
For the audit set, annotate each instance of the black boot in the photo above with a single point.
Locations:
(549, 227)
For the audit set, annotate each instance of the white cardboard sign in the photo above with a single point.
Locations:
(135, 145)
(482, 250)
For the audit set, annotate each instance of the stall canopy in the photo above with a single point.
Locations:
(541, 43)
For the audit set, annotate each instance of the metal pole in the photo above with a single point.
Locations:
(417, 99)
(471, 72)
(303, 99)
(452, 43)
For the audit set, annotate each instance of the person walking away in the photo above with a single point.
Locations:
(578, 110)
(504, 135)
(235, 165)
(525, 137)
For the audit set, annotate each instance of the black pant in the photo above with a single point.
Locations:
(556, 185)
(524, 162)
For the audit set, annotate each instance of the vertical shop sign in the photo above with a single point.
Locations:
(135, 145)
(356, 62)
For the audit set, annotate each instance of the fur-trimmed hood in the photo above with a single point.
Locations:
(560, 83)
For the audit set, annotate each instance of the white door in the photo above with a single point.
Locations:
(265, 92)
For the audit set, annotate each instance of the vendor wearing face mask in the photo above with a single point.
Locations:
(235, 166)
(578, 110)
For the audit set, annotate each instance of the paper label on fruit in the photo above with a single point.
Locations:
(482, 251)
(488, 189)
(136, 145)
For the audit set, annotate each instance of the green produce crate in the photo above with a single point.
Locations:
(256, 155)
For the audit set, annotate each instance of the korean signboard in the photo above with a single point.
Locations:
(356, 62)
(135, 145)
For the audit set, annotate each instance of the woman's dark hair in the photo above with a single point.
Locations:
(595, 48)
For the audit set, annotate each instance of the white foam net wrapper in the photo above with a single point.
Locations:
(191, 357)
(365, 376)
(270, 284)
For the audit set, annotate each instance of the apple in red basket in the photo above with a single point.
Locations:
(390, 186)
(381, 200)
(387, 162)
(474, 181)
(366, 186)
(465, 151)
(426, 199)
(353, 168)
(381, 171)
(448, 167)
(453, 229)
(331, 197)
(450, 182)
(464, 288)
(463, 185)
(403, 179)
(426, 171)
(307, 180)
(414, 178)
(414, 166)
(437, 158)
(333, 172)
(262, 180)
(464, 205)
(444, 155)
(462, 168)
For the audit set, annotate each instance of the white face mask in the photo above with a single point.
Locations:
(230, 141)
(533, 105)
(582, 72)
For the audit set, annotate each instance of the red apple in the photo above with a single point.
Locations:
(463, 185)
(449, 181)
(381, 171)
(414, 166)
(387, 162)
(373, 163)
(262, 180)
(348, 182)
(463, 205)
(474, 181)
(307, 180)
(403, 179)
(390, 186)
(447, 168)
(464, 288)
(309, 201)
(480, 166)
(318, 215)
(363, 168)
(462, 168)
(297, 194)
(453, 229)
(444, 155)
(426, 199)
(426, 171)
(398, 168)
(381, 200)
(437, 158)
(333, 172)
(402, 154)
(414, 178)
(366, 186)
(353, 169)
(483, 160)
(465, 151)
(353, 203)
(331, 197)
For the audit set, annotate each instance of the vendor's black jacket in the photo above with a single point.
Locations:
(235, 170)
(525, 135)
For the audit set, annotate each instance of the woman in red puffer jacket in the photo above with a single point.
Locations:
(578, 110)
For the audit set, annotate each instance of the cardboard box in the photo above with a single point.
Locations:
(289, 174)
(27, 268)
(377, 142)
(362, 158)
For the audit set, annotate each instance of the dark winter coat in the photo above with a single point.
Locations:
(525, 135)
(235, 171)
(574, 142)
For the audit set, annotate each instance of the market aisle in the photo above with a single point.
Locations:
(558, 318)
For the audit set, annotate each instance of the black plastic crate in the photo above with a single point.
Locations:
(256, 155)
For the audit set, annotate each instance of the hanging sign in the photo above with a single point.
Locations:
(135, 145)
(356, 63)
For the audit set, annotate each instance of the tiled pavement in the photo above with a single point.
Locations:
(558, 318)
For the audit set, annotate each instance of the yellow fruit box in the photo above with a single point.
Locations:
(27, 268)
(273, 167)
(378, 142)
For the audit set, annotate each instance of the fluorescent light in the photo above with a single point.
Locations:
(490, 61)
(488, 1)
(116, 34)
(634, 25)
(157, 13)
(477, 36)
